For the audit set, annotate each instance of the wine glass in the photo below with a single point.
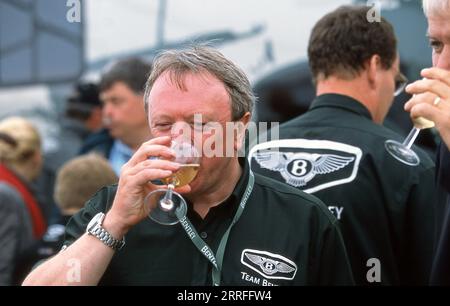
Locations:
(402, 151)
(166, 203)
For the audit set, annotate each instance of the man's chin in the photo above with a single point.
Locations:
(114, 133)
(195, 187)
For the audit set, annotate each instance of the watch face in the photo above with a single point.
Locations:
(94, 221)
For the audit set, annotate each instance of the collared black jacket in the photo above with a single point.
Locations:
(441, 265)
(386, 209)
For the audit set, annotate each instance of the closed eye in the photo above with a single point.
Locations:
(163, 126)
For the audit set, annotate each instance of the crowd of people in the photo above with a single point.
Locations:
(322, 204)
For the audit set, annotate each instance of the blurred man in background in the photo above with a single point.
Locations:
(121, 93)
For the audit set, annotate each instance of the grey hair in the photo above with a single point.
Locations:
(198, 59)
(440, 8)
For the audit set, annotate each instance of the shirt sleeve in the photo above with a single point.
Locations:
(329, 264)
(333, 264)
(100, 202)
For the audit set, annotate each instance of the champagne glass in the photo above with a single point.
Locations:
(166, 203)
(402, 151)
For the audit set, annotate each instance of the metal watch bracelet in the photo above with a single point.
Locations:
(107, 238)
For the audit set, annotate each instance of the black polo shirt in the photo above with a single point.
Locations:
(284, 237)
(385, 208)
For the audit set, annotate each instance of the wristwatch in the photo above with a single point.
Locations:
(95, 229)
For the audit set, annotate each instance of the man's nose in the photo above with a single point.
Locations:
(181, 129)
(443, 61)
(106, 115)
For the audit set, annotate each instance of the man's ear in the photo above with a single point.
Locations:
(241, 125)
(372, 67)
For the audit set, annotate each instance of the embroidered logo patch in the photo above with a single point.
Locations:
(310, 165)
(269, 265)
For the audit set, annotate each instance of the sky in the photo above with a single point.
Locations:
(114, 27)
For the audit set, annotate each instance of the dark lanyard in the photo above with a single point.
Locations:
(203, 247)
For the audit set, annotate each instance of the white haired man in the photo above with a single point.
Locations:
(432, 101)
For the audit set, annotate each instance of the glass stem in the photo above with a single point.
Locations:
(169, 193)
(411, 137)
(166, 203)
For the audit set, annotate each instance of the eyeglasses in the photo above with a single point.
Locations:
(400, 83)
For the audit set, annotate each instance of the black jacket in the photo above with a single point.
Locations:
(100, 142)
(386, 209)
(441, 266)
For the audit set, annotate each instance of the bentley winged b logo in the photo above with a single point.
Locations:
(269, 265)
(299, 168)
(310, 165)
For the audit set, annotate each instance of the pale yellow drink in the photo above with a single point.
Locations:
(183, 176)
(422, 123)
